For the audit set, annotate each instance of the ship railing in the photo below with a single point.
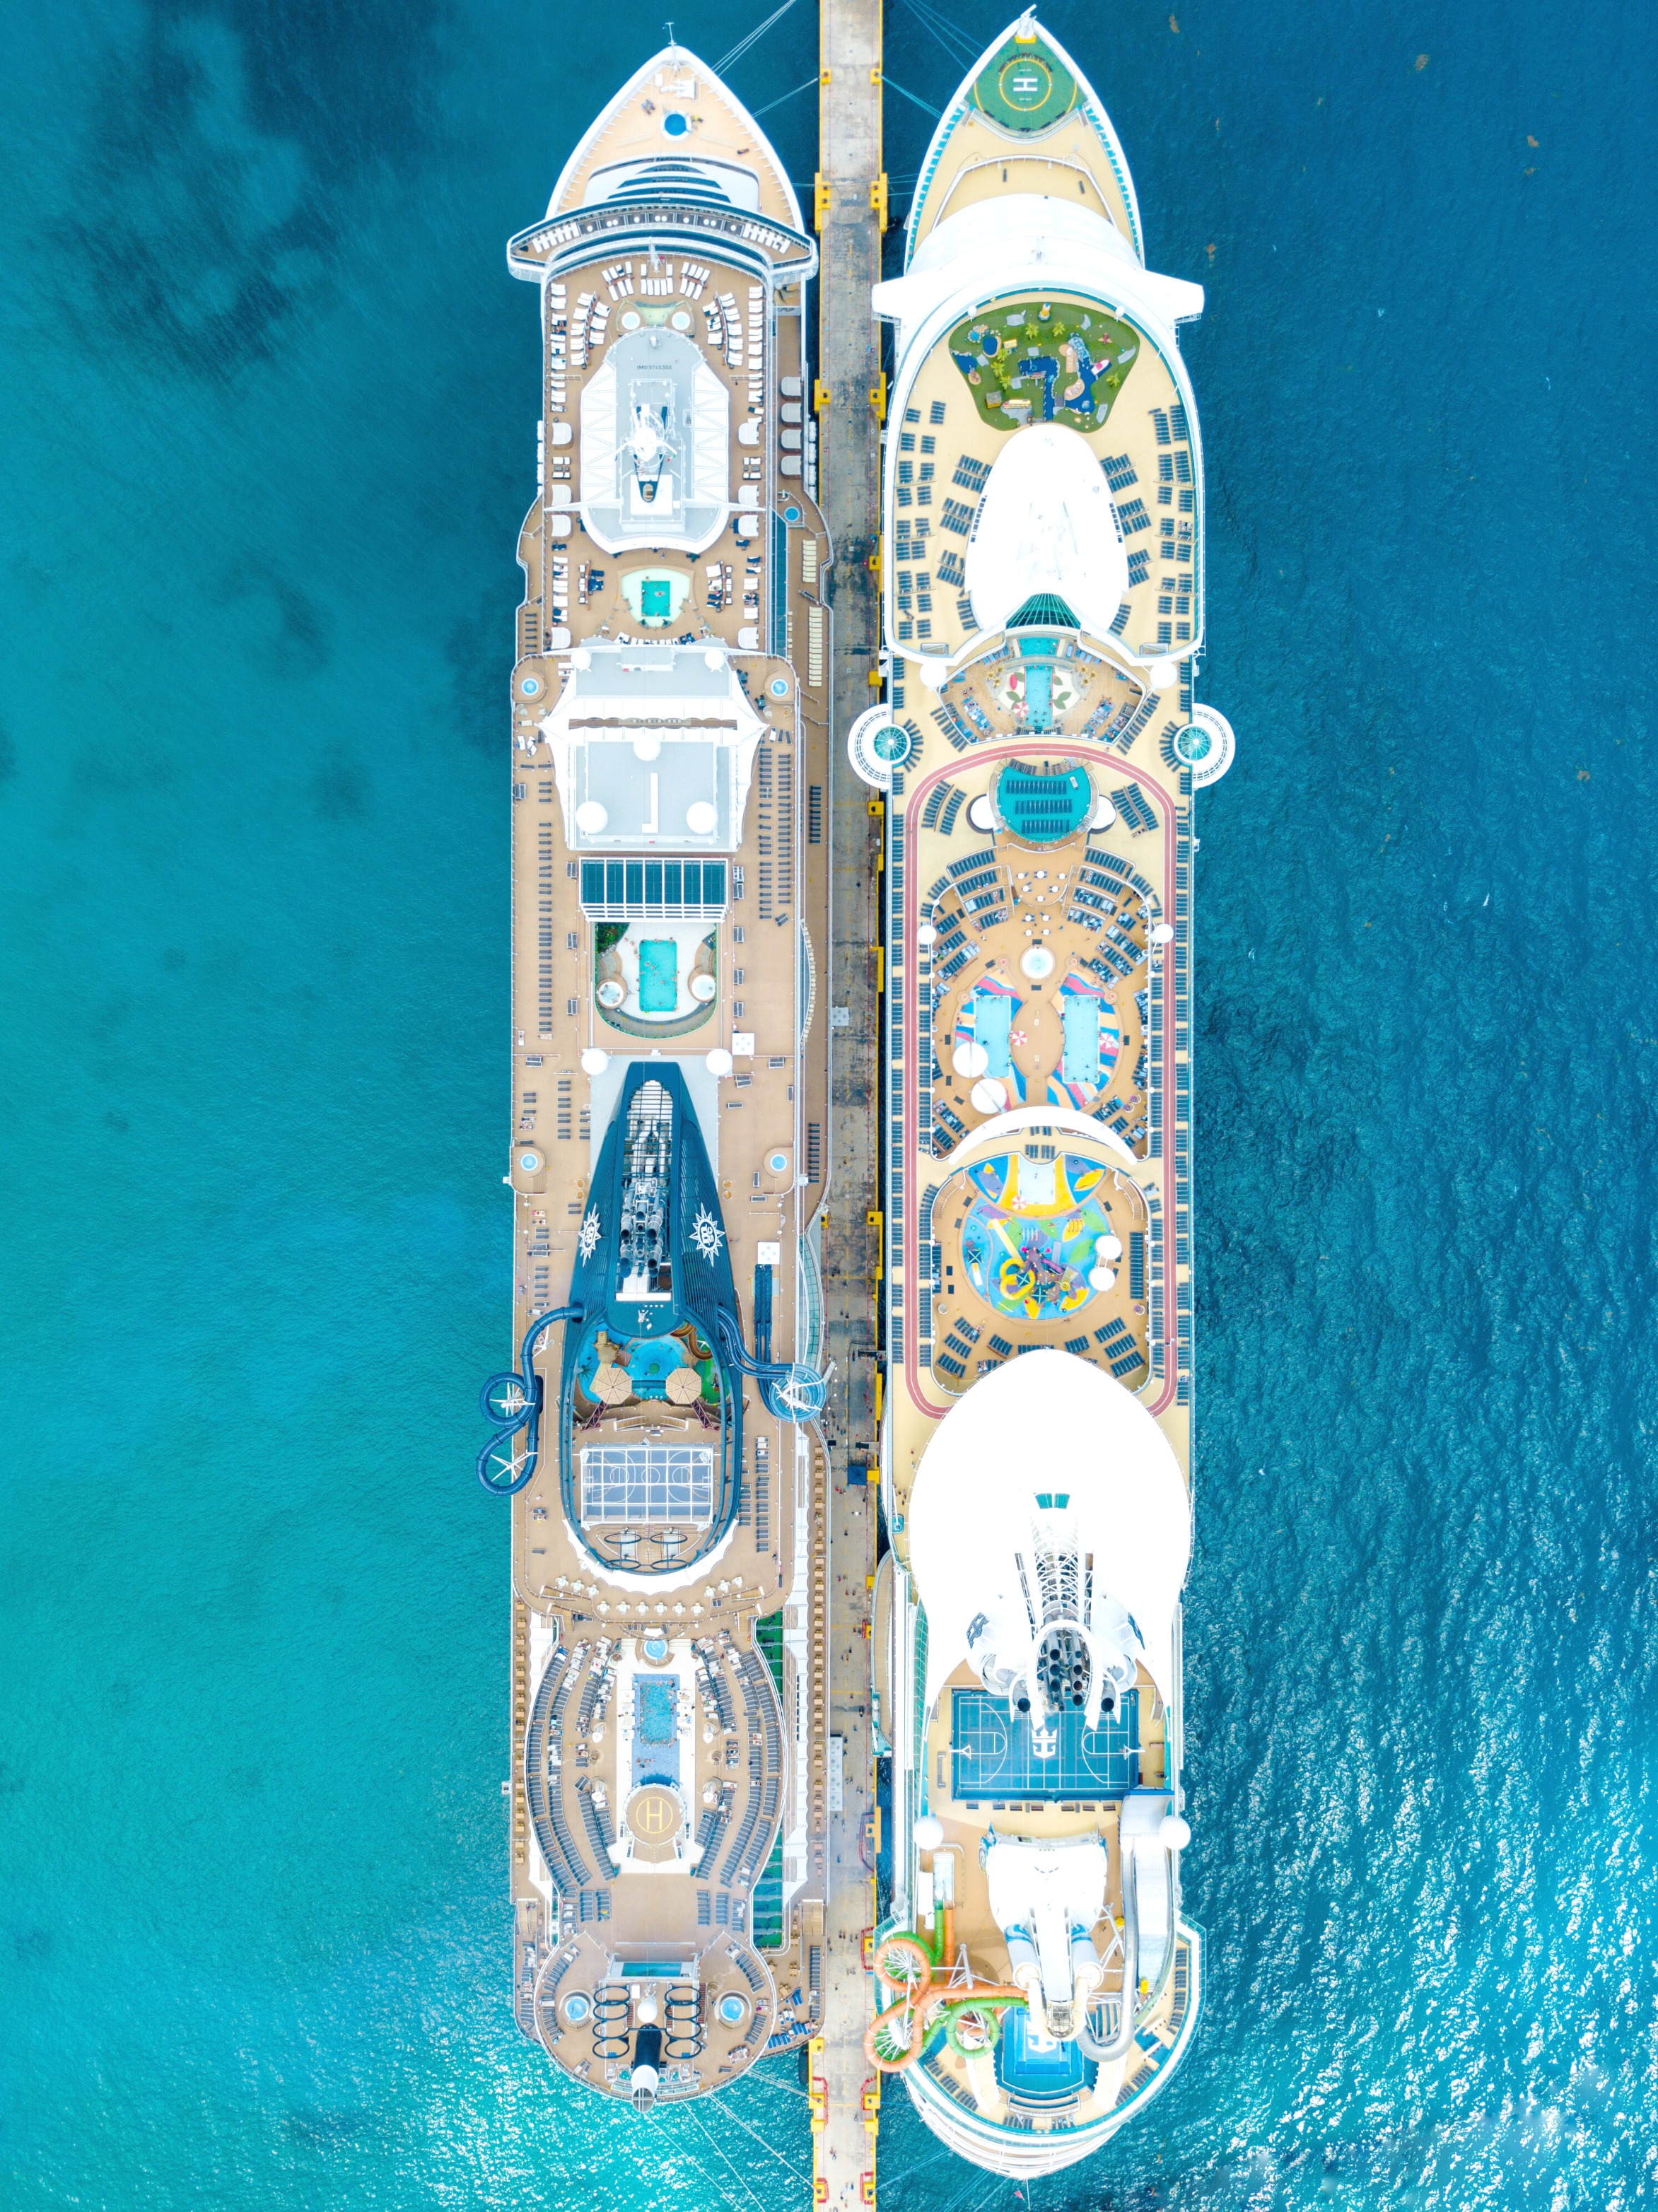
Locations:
(767, 249)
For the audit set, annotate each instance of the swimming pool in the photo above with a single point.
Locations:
(993, 1022)
(659, 975)
(1081, 1020)
(656, 1730)
(1038, 694)
(657, 1701)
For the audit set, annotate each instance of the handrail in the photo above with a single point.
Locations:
(810, 1279)
(775, 249)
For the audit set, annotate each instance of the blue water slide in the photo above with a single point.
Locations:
(790, 1391)
(514, 1401)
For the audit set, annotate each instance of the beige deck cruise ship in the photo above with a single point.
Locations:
(1037, 750)
(656, 1435)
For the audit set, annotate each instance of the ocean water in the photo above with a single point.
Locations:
(269, 400)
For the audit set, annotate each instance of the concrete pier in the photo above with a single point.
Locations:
(850, 213)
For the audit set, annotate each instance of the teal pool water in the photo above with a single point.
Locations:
(659, 975)
(1038, 695)
(656, 1740)
(1080, 1028)
(993, 1023)
(655, 1721)
(986, 1019)
(270, 400)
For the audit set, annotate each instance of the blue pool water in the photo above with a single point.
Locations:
(655, 1723)
(992, 1026)
(659, 975)
(1080, 1022)
(989, 1015)
(656, 1744)
(270, 400)
(1038, 694)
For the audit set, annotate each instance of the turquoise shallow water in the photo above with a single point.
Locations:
(269, 402)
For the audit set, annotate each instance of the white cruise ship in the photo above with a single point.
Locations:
(1037, 748)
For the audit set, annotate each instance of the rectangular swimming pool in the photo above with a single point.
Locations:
(656, 1730)
(659, 975)
(992, 1024)
(657, 1699)
(1081, 1018)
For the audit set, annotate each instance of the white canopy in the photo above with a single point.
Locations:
(647, 733)
(1000, 245)
(1048, 1425)
(1047, 525)
(674, 176)
(1002, 1126)
(653, 406)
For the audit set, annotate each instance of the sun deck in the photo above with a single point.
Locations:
(1035, 999)
(946, 450)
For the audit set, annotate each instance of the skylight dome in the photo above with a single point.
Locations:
(1043, 610)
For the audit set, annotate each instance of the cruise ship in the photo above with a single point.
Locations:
(1036, 750)
(656, 1433)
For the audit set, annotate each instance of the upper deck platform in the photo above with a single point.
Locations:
(962, 497)
(1038, 830)
(1026, 306)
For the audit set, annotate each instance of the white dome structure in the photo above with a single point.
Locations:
(1050, 1506)
(1046, 526)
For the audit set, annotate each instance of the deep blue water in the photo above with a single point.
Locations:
(268, 401)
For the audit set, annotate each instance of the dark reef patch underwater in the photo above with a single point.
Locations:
(271, 401)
